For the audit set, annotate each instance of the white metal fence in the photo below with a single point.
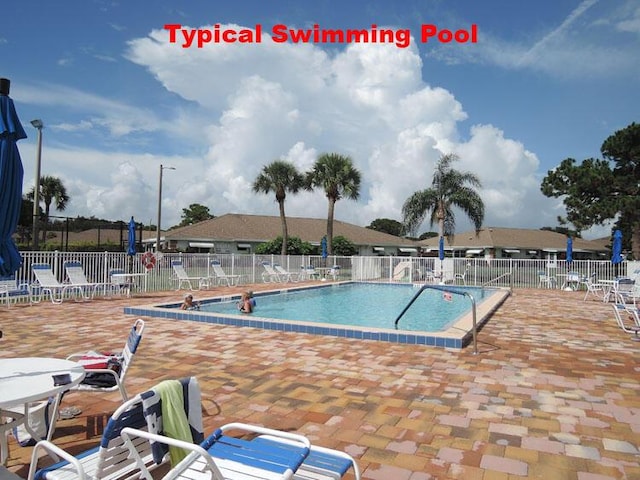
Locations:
(516, 273)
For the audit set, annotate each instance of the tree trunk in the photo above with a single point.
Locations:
(440, 216)
(47, 207)
(635, 241)
(285, 231)
(332, 204)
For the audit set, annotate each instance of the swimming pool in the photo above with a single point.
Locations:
(360, 304)
(455, 334)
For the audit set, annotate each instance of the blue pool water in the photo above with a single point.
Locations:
(366, 305)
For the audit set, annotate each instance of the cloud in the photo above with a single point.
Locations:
(259, 103)
(586, 42)
(367, 101)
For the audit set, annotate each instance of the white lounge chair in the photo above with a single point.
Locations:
(284, 275)
(77, 278)
(272, 455)
(47, 283)
(402, 270)
(222, 456)
(621, 311)
(269, 275)
(220, 276)
(111, 460)
(183, 277)
(10, 290)
(624, 291)
(125, 358)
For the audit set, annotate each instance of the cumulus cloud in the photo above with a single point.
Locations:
(259, 103)
(367, 101)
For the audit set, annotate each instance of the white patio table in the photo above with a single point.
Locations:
(30, 379)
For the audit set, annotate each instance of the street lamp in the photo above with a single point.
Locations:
(37, 123)
(160, 205)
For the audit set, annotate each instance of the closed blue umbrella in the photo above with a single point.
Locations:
(131, 250)
(323, 245)
(569, 250)
(11, 173)
(441, 248)
(616, 251)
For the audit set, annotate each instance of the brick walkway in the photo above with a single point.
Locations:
(553, 394)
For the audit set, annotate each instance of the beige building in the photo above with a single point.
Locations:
(239, 233)
(494, 242)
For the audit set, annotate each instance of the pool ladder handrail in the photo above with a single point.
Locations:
(507, 274)
(455, 291)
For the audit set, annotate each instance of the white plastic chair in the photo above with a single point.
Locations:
(77, 278)
(10, 290)
(47, 283)
(126, 357)
(269, 275)
(110, 460)
(184, 278)
(221, 276)
(284, 275)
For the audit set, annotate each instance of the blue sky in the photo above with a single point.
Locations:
(546, 80)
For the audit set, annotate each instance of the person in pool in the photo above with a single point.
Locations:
(245, 305)
(189, 304)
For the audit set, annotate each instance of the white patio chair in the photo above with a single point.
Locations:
(183, 277)
(77, 278)
(118, 283)
(269, 275)
(224, 456)
(621, 311)
(624, 291)
(284, 275)
(111, 460)
(116, 377)
(47, 283)
(10, 290)
(220, 276)
(593, 287)
(546, 281)
(311, 272)
(334, 271)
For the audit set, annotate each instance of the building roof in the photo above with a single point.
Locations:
(495, 237)
(235, 227)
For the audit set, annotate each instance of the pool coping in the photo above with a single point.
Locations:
(458, 335)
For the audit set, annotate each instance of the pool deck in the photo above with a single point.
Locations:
(554, 392)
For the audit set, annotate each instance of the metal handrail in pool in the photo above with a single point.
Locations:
(507, 274)
(450, 290)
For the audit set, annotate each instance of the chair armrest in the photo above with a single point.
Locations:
(54, 452)
(128, 433)
(294, 437)
(324, 450)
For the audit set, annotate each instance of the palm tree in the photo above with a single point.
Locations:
(337, 176)
(51, 188)
(279, 177)
(449, 188)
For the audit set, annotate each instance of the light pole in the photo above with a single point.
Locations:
(37, 123)
(160, 206)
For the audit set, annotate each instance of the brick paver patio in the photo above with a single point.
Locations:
(554, 392)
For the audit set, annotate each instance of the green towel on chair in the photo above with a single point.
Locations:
(174, 419)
